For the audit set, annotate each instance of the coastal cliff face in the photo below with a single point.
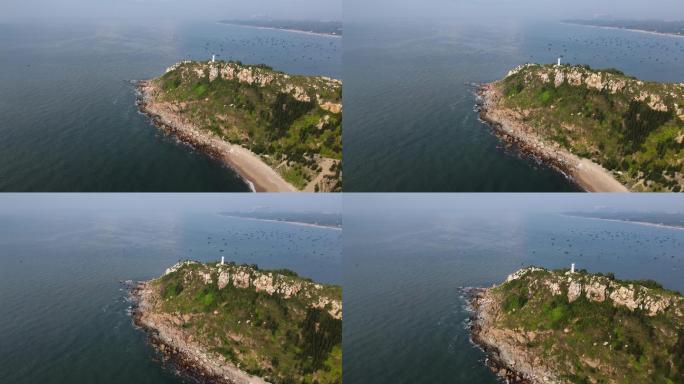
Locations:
(543, 326)
(293, 123)
(633, 128)
(239, 324)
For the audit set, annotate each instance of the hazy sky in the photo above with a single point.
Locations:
(512, 9)
(167, 202)
(18, 10)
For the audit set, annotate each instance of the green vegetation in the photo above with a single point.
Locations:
(594, 337)
(632, 127)
(293, 122)
(282, 338)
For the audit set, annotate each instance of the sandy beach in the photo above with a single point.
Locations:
(509, 127)
(260, 176)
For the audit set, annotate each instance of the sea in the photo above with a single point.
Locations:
(68, 118)
(64, 314)
(410, 118)
(407, 258)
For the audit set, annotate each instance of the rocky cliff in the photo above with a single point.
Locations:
(239, 324)
(292, 122)
(633, 128)
(543, 326)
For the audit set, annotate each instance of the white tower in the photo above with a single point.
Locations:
(222, 260)
(558, 62)
(572, 268)
(213, 58)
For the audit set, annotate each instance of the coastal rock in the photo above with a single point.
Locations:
(574, 290)
(189, 338)
(526, 344)
(264, 283)
(241, 279)
(596, 291)
(223, 279)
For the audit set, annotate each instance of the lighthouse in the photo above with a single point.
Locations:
(558, 65)
(572, 268)
(222, 260)
(213, 59)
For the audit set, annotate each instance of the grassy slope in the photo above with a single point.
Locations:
(268, 121)
(283, 340)
(638, 349)
(615, 130)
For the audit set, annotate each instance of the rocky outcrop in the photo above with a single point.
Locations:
(179, 333)
(510, 126)
(180, 348)
(610, 82)
(261, 76)
(599, 288)
(511, 323)
(506, 355)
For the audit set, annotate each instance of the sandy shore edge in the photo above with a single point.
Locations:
(585, 173)
(258, 175)
(179, 349)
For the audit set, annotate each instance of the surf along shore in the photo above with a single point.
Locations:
(509, 127)
(259, 176)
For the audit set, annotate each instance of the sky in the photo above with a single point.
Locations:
(151, 10)
(512, 9)
(57, 203)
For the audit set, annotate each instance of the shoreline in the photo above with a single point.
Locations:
(300, 223)
(258, 175)
(643, 223)
(626, 29)
(179, 350)
(283, 29)
(477, 302)
(589, 176)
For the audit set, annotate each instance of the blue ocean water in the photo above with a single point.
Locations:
(410, 122)
(68, 115)
(64, 312)
(405, 263)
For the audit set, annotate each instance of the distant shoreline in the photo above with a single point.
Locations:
(282, 29)
(644, 223)
(300, 223)
(625, 29)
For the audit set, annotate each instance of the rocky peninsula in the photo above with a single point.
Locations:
(558, 326)
(229, 323)
(280, 132)
(606, 131)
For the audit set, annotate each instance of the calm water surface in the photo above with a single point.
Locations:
(405, 318)
(410, 123)
(68, 118)
(64, 313)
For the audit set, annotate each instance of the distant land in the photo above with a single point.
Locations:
(280, 132)
(653, 218)
(653, 26)
(333, 28)
(562, 326)
(226, 323)
(607, 131)
(333, 220)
